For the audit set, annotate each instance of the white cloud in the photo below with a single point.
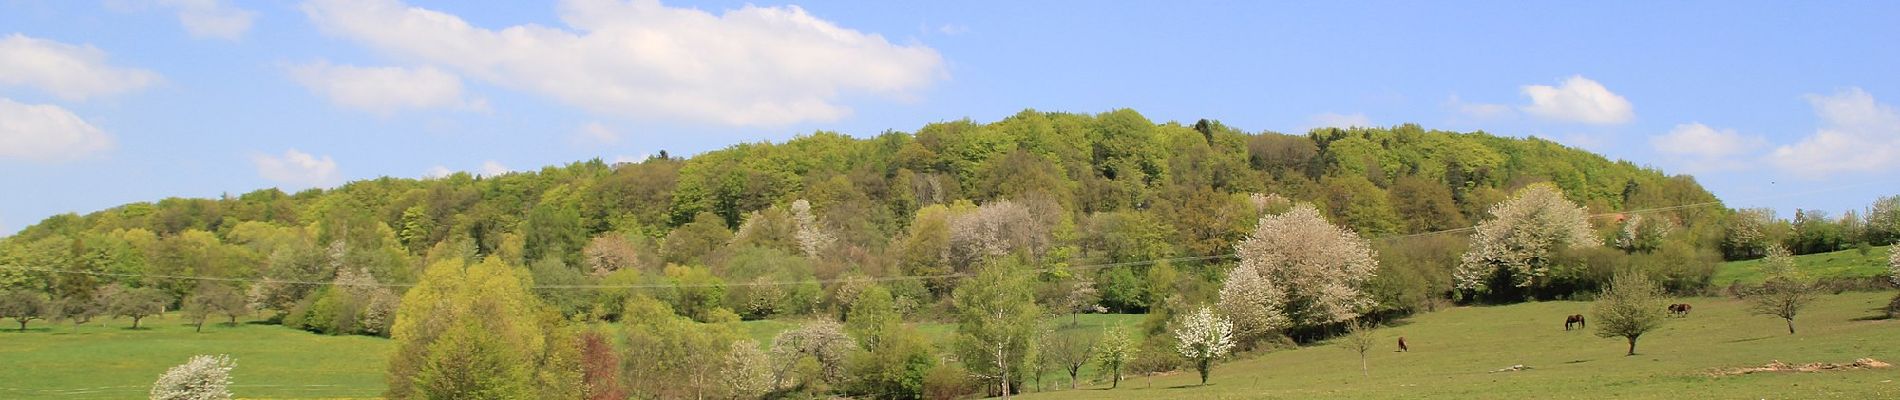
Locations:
(1579, 99)
(596, 133)
(437, 172)
(297, 169)
(953, 29)
(1696, 139)
(1701, 148)
(211, 18)
(47, 133)
(67, 71)
(749, 66)
(1334, 120)
(1478, 110)
(384, 90)
(1857, 134)
(491, 168)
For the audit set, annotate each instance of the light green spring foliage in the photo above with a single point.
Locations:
(1787, 290)
(1631, 306)
(1116, 349)
(467, 330)
(997, 321)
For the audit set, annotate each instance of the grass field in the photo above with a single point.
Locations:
(1839, 264)
(1454, 351)
(110, 362)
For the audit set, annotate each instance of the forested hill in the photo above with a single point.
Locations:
(1110, 187)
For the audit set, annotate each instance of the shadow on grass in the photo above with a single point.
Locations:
(1191, 386)
(1750, 339)
(1577, 361)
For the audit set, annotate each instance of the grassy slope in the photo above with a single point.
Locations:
(1453, 352)
(110, 362)
(1839, 264)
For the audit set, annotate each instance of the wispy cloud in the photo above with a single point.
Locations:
(385, 90)
(68, 71)
(47, 133)
(748, 66)
(297, 169)
(1857, 134)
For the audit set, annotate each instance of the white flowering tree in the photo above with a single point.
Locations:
(1516, 245)
(746, 372)
(1253, 304)
(812, 237)
(1202, 337)
(204, 377)
(1298, 271)
(1893, 262)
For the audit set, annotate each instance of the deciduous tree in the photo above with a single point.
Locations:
(136, 303)
(24, 305)
(1319, 268)
(1515, 247)
(1113, 352)
(204, 377)
(1359, 339)
(1629, 308)
(1070, 350)
(1202, 337)
(996, 322)
(1786, 291)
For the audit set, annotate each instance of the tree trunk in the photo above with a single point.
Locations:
(1632, 347)
(135, 322)
(1790, 326)
(1206, 365)
(1363, 369)
(23, 325)
(200, 327)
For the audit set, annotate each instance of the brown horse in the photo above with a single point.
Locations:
(1402, 347)
(1576, 320)
(1680, 310)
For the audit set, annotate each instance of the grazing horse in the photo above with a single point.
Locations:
(1576, 320)
(1402, 344)
(1680, 310)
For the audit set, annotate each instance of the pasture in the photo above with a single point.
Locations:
(1454, 352)
(1839, 264)
(107, 361)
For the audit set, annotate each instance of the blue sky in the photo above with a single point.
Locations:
(115, 101)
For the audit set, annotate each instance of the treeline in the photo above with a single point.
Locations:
(627, 279)
(1069, 189)
(1754, 230)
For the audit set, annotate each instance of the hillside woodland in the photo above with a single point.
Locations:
(1039, 214)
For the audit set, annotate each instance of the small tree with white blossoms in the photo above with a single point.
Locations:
(1893, 262)
(1516, 245)
(204, 377)
(1202, 337)
(812, 237)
